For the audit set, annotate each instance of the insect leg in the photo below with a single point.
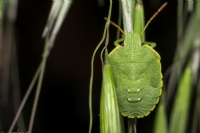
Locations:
(151, 44)
(117, 42)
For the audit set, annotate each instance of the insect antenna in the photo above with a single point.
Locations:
(116, 26)
(154, 15)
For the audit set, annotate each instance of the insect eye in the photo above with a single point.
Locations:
(142, 43)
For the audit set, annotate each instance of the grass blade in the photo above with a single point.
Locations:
(110, 118)
(181, 105)
(160, 123)
(127, 14)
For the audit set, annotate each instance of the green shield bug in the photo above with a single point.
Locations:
(137, 74)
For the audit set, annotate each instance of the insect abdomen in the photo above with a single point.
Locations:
(138, 86)
(138, 89)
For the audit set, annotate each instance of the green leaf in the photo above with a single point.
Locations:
(110, 118)
(138, 24)
(160, 124)
(180, 110)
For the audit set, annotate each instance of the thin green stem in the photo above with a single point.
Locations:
(92, 67)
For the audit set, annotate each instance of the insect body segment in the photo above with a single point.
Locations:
(137, 75)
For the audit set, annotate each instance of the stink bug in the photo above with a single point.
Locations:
(137, 74)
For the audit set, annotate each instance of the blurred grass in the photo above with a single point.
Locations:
(184, 73)
(50, 33)
(180, 110)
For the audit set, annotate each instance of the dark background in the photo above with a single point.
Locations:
(63, 103)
